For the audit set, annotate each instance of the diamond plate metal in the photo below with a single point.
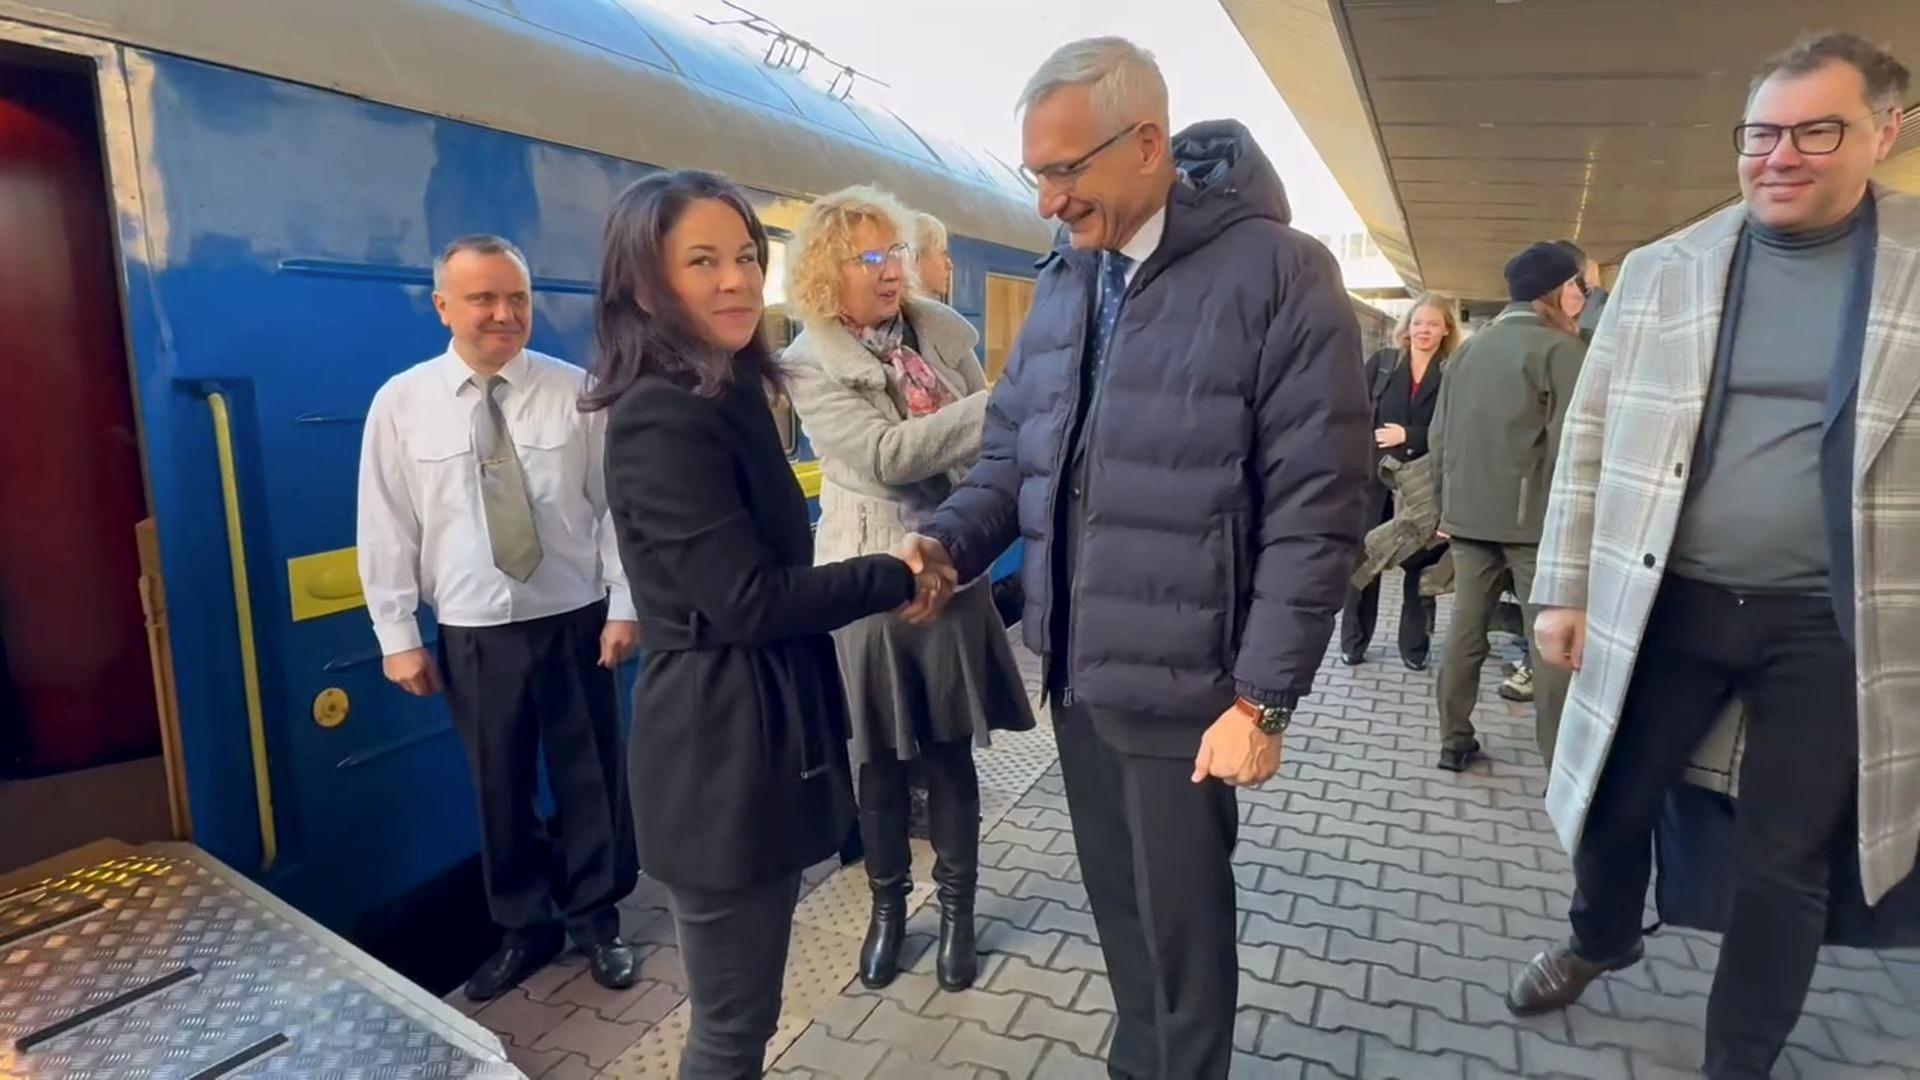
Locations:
(262, 969)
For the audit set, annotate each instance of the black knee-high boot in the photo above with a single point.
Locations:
(883, 831)
(953, 811)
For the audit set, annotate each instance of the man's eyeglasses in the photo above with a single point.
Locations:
(1063, 176)
(1813, 137)
(873, 261)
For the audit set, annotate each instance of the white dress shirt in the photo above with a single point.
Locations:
(423, 532)
(1145, 241)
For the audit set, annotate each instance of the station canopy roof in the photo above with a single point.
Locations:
(1463, 130)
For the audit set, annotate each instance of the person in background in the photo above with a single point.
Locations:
(1191, 505)
(482, 496)
(1732, 518)
(1590, 285)
(933, 264)
(1495, 432)
(1404, 382)
(739, 782)
(892, 398)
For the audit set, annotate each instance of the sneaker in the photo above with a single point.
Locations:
(1519, 685)
(1556, 978)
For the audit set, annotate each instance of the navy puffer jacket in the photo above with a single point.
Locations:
(1228, 453)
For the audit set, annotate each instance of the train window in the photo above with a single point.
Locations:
(779, 329)
(1008, 300)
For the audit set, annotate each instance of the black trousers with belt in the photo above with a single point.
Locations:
(516, 690)
(1794, 673)
(1155, 851)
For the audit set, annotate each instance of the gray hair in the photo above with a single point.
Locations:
(1126, 84)
(1887, 79)
(479, 244)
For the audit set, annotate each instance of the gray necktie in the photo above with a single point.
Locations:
(503, 489)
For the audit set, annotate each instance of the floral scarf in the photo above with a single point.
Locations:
(912, 377)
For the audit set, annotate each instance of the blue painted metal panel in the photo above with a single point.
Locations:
(291, 231)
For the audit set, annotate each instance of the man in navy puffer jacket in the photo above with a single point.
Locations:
(1181, 438)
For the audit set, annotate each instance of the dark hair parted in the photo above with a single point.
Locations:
(639, 326)
(1887, 79)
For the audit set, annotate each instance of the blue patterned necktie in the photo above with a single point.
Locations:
(1113, 288)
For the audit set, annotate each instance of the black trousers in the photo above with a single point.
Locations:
(1362, 611)
(733, 944)
(953, 794)
(518, 689)
(1785, 658)
(1155, 850)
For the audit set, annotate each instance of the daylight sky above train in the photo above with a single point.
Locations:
(957, 67)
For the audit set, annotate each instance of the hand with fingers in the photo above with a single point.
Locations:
(1235, 751)
(618, 641)
(934, 576)
(1560, 636)
(413, 671)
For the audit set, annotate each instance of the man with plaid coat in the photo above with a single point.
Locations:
(1735, 518)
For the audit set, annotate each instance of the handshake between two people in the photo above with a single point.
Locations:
(934, 577)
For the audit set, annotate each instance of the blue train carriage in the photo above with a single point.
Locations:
(238, 204)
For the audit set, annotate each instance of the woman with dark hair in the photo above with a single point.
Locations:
(736, 765)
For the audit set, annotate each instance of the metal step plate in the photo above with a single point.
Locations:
(159, 962)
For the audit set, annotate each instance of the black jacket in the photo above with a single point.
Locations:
(1227, 453)
(737, 761)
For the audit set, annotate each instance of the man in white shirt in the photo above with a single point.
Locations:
(482, 494)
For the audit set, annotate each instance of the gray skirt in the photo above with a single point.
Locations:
(952, 679)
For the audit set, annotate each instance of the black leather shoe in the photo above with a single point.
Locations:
(1414, 663)
(1353, 659)
(513, 961)
(612, 964)
(1556, 978)
(1457, 758)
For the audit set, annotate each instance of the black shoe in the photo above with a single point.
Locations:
(1556, 978)
(1353, 658)
(612, 964)
(513, 961)
(1457, 758)
(889, 872)
(955, 833)
(1414, 663)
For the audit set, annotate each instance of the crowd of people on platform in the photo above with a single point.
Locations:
(1700, 493)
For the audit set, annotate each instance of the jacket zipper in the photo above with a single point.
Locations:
(1060, 449)
(1086, 444)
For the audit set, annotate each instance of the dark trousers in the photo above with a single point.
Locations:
(1155, 851)
(1362, 611)
(733, 945)
(1478, 569)
(1785, 658)
(518, 689)
(953, 806)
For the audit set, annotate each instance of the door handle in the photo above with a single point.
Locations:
(243, 622)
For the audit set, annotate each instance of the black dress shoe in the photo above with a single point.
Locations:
(1353, 659)
(1414, 663)
(1457, 758)
(612, 964)
(513, 961)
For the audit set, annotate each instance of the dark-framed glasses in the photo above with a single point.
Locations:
(1814, 138)
(1063, 176)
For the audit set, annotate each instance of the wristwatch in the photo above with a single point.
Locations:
(1270, 719)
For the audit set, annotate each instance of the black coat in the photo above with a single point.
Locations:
(1396, 402)
(737, 761)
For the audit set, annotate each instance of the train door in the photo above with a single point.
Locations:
(84, 667)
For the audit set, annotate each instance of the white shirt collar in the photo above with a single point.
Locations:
(456, 374)
(1146, 239)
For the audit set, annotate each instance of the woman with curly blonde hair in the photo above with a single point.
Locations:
(892, 397)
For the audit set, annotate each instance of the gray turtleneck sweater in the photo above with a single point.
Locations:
(1755, 521)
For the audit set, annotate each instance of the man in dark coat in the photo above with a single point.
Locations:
(1182, 438)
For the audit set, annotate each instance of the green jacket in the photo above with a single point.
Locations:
(1496, 430)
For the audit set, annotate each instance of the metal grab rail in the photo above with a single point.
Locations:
(243, 619)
